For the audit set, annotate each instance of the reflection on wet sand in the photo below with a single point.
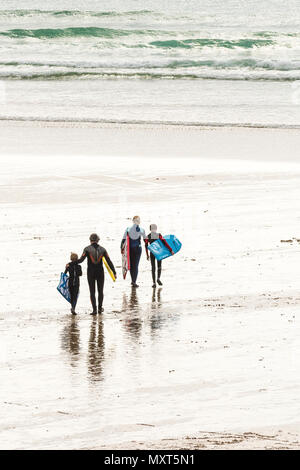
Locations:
(70, 340)
(156, 319)
(156, 298)
(96, 350)
(133, 313)
(133, 322)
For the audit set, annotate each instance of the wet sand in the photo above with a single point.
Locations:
(210, 360)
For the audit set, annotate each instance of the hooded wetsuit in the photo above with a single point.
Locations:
(136, 233)
(94, 253)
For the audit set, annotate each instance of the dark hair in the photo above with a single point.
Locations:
(94, 237)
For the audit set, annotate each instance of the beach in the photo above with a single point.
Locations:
(208, 361)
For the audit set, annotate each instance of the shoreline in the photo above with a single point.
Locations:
(67, 122)
(103, 140)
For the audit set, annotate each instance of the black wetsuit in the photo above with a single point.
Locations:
(95, 273)
(152, 237)
(75, 272)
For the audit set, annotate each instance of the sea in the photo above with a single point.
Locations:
(202, 62)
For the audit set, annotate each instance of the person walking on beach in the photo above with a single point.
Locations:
(136, 233)
(152, 237)
(75, 272)
(95, 274)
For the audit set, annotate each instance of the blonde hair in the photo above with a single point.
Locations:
(136, 217)
(74, 257)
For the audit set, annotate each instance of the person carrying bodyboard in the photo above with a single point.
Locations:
(133, 235)
(75, 272)
(151, 238)
(95, 273)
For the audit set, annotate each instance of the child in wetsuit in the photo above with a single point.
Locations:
(75, 271)
(152, 237)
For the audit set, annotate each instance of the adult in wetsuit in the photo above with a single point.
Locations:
(152, 237)
(95, 274)
(136, 233)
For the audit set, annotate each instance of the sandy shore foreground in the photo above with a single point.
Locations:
(211, 359)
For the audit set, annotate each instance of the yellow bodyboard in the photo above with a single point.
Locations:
(108, 269)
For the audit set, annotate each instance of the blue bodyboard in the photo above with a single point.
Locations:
(160, 251)
(63, 287)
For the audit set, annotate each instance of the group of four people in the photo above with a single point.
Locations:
(95, 273)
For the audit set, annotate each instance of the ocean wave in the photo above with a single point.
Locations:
(53, 33)
(83, 13)
(109, 33)
(236, 64)
(150, 75)
(210, 42)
